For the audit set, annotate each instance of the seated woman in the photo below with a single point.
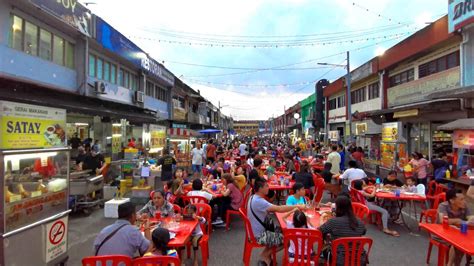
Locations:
(160, 239)
(156, 204)
(345, 224)
(232, 196)
(238, 176)
(457, 211)
(298, 197)
(330, 180)
(369, 201)
(304, 176)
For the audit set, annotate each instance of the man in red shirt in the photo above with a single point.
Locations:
(211, 151)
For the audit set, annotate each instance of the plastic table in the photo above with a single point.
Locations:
(312, 215)
(452, 235)
(400, 199)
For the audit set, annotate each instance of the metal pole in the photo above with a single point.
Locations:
(349, 100)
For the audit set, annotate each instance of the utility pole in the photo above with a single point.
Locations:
(349, 100)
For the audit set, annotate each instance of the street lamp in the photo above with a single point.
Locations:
(296, 116)
(348, 82)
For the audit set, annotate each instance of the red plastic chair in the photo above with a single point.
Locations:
(360, 211)
(433, 190)
(357, 197)
(233, 212)
(194, 200)
(431, 217)
(319, 186)
(157, 261)
(250, 241)
(112, 260)
(353, 249)
(304, 241)
(203, 210)
(441, 197)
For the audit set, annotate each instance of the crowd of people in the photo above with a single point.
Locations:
(237, 165)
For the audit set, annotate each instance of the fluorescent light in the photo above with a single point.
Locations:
(116, 135)
(155, 150)
(81, 124)
(29, 156)
(116, 124)
(109, 138)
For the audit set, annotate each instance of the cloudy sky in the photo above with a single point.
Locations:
(257, 57)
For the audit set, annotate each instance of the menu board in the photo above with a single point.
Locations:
(463, 139)
(25, 126)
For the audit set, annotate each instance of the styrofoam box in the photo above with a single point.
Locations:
(111, 207)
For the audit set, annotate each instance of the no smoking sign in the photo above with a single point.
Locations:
(57, 232)
(56, 235)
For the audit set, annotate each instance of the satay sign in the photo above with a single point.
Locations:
(56, 237)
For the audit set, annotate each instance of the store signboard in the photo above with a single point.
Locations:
(391, 132)
(460, 14)
(69, 11)
(25, 126)
(334, 135)
(116, 138)
(174, 125)
(157, 137)
(179, 113)
(56, 238)
(463, 139)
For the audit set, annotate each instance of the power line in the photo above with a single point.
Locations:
(378, 14)
(287, 45)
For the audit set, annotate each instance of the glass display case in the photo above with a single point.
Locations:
(35, 185)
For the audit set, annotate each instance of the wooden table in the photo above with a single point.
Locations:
(403, 197)
(452, 235)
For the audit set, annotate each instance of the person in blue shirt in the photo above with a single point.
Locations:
(298, 197)
(342, 153)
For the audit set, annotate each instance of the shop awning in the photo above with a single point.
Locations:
(464, 123)
(461, 92)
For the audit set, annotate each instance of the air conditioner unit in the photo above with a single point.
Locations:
(139, 97)
(100, 87)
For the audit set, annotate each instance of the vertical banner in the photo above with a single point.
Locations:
(157, 138)
(116, 138)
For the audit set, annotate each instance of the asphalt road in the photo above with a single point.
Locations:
(226, 248)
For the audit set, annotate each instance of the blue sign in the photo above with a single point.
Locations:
(460, 14)
(113, 40)
(117, 43)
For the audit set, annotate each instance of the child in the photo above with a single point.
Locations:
(299, 221)
(160, 239)
(271, 168)
(298, 197)
(410, 185)
(177, 187)
(191, 210)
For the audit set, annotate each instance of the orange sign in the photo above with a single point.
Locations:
(463, 139)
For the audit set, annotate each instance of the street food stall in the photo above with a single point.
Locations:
(393, 155)
(463, 144)
(179, 141)
(34, 172)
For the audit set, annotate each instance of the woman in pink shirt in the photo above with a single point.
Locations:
(420, 167)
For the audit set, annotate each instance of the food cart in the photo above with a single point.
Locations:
(393, 155)
(179, 143)
(463, 144)
(34, 171)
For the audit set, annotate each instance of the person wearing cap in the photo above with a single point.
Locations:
(123, 237)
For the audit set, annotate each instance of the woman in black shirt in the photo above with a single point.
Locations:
(304, 176)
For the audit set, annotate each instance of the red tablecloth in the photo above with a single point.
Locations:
(183, 230)
(312, 215)
(403, 196)
(463, 242)
(317, 166)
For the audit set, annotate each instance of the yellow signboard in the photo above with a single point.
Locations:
(25, 126)
(390, 132)
(157, 137)
(116, 138)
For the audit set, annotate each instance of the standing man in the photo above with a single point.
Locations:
(211, 151)
(351, 174)
(166, 162)
(197, 156)
(243, 151)
(335, 159)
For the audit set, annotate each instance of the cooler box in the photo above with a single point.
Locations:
(111, 207)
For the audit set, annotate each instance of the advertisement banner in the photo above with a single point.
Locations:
(25, 126)
(116, 138)
(157, 137)
(334, 135)
(69, 11)
(460, 14)
(463, 139)
(390, 132)
(179, 113)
